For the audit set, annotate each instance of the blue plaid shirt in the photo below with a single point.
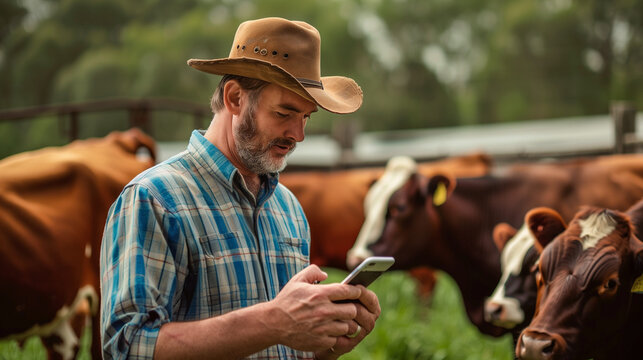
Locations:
(186, 240)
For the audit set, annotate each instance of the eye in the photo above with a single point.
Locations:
(609, 287)
(539, 277)
(611, 284)
(396, 210)
(281, 115)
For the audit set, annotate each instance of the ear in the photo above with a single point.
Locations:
(502, 233)
(232, 93)
(439, 188)
(637, 249)
(545, 224)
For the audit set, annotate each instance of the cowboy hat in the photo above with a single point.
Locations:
(285, 53)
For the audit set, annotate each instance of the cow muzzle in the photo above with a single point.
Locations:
(538, 346)
(505, 313)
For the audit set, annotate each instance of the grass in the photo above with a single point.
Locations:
(409, 328)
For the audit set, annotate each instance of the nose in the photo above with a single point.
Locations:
(354, 258)
(493, 311)
(540, 347)
(296, 130)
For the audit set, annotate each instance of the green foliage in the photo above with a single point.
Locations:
(411, 328)
(420, 63)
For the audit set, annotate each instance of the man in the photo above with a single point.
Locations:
(206, 255)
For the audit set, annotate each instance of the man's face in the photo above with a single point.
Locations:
(267, 134)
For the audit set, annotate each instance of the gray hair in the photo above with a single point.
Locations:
(253, 86)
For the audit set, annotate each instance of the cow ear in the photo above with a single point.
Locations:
(439, 188)
(637, 248)
(545, 224)
(502, 233)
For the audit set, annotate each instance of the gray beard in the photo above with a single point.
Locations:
(253, 155)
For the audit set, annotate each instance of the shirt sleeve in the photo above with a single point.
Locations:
(139, 274)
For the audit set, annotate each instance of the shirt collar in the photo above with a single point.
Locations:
(217, 164)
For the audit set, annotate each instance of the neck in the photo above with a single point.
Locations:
(220, 133)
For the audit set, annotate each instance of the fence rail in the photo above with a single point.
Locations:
(141, 111)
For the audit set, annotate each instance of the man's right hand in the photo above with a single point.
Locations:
(304, 316)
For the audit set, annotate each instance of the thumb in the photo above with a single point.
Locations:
(311, 274)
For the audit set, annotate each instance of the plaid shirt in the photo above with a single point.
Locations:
(186, 240)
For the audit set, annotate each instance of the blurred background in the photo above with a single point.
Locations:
(423, 64)
(440, 77)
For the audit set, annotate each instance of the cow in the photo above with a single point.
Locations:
(53, 206)
(586, 279)
(447, 224)
(333, 202)
(513, 303)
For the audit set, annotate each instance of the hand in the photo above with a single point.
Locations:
(368, 310)
(304, 316)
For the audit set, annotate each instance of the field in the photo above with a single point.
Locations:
(407, 329)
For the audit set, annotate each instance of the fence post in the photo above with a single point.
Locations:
(344, 132)
(139, 116)
(624, 118)
(73, 125)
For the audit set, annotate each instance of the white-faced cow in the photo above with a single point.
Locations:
(334, 204)
(513, 302)
(586, 306)
(53, 206)
(454, 232)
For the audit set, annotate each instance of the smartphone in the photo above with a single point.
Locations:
(369, 270)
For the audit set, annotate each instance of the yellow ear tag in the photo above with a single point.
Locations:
(440, 194)
(638, 285)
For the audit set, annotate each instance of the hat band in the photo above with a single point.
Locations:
(311, 83)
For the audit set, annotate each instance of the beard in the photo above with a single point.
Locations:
(254, 152)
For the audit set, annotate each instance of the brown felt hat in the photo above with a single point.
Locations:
(285, 53)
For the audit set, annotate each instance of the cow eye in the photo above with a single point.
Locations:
(610, 284)
(396, 210)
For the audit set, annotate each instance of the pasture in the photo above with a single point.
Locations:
(409, 328)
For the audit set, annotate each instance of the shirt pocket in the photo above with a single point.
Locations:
(294, 255)
(227, 272)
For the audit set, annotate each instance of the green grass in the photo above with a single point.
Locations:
(409, 328)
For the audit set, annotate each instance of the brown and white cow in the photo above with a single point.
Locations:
(53, 206)
(453, 234)
(334, 204)
(513, 303)
(586, 308)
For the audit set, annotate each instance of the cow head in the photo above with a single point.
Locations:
(397, 172)
(584, 280)
(513, 302)
(408, 219)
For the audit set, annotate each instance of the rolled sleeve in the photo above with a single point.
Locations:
(139, 274)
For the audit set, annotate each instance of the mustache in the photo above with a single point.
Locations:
(283, 142)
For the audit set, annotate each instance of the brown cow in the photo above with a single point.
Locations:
(454, 235)
(586, 308)
(334, 205)
(53, 206)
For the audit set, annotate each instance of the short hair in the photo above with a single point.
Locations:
(253, 86)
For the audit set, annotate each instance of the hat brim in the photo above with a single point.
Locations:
(340, 95)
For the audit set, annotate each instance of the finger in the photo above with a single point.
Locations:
(369, 300)
(311, 274)
(338, 292)
(344, 311)
(365, 318)
(336, 328)
(353, 328)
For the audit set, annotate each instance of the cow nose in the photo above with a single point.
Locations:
(531, 348)
(354, 260)
(493, 311)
